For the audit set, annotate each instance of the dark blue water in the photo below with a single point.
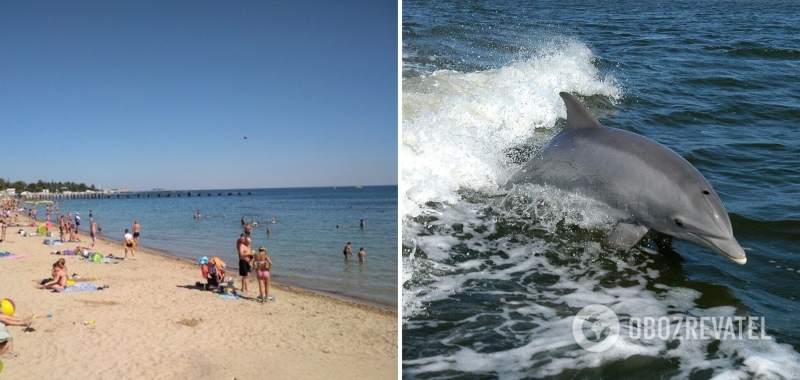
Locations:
(492, 281)
(304, 242)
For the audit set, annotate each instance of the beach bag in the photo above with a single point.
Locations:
(96, 258)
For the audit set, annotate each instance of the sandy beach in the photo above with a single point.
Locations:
(153, 323)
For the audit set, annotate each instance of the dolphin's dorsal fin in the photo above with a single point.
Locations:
(578, 116)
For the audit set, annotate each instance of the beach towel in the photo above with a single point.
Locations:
(103, 260)
(228, 296)
(9, 255)
(81, 287)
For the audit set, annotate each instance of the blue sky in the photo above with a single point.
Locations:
(160, 94)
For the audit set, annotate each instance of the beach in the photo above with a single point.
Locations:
(153, 322)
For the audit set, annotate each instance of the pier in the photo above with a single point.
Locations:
(44, 197)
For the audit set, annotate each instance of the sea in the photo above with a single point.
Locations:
(493, 281)
(309, 228)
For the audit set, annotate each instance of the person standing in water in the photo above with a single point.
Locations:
(136, 228)
(348, 251)
(361, 254)
(262, 265)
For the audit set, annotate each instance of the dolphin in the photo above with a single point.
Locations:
(644, 184)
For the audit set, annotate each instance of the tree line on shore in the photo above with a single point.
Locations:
(39, 186)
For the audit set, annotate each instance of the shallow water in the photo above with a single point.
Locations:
(492, 279)
(311, 228)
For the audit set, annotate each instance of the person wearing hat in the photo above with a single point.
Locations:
(77, 222)
(262, 265)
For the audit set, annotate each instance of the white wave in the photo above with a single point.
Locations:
(457, 131)
(457, 126)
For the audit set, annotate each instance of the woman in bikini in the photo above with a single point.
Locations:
(59, 281)
(262, 265)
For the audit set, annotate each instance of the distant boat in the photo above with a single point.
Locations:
(359, 187)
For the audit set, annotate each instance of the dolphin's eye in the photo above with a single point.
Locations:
(678, 222)
(706, 192)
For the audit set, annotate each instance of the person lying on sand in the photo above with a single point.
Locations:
(5, 337)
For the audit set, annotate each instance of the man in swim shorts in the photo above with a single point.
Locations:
(245, 259)
(93, 232)
(136, 228)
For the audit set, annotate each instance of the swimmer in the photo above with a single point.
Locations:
(348, 250)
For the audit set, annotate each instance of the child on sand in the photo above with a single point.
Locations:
(262, 265)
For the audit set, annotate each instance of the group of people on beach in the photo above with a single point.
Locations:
(249, 261)
(10, 206)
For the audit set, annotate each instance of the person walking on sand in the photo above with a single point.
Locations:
(129, 245)
(245, 258)
(262, 265)
(136, 228)
(93, 232)
(348, 251)
(361, 254)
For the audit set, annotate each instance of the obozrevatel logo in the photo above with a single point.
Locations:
(595, 328)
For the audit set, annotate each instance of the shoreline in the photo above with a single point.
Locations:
(153, 322)
(291, 285)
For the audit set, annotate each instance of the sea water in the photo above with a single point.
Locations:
(492, 279)
(311, 227)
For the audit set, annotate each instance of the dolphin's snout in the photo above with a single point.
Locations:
(729, 248)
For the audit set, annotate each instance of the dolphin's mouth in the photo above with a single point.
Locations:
(729, 248)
